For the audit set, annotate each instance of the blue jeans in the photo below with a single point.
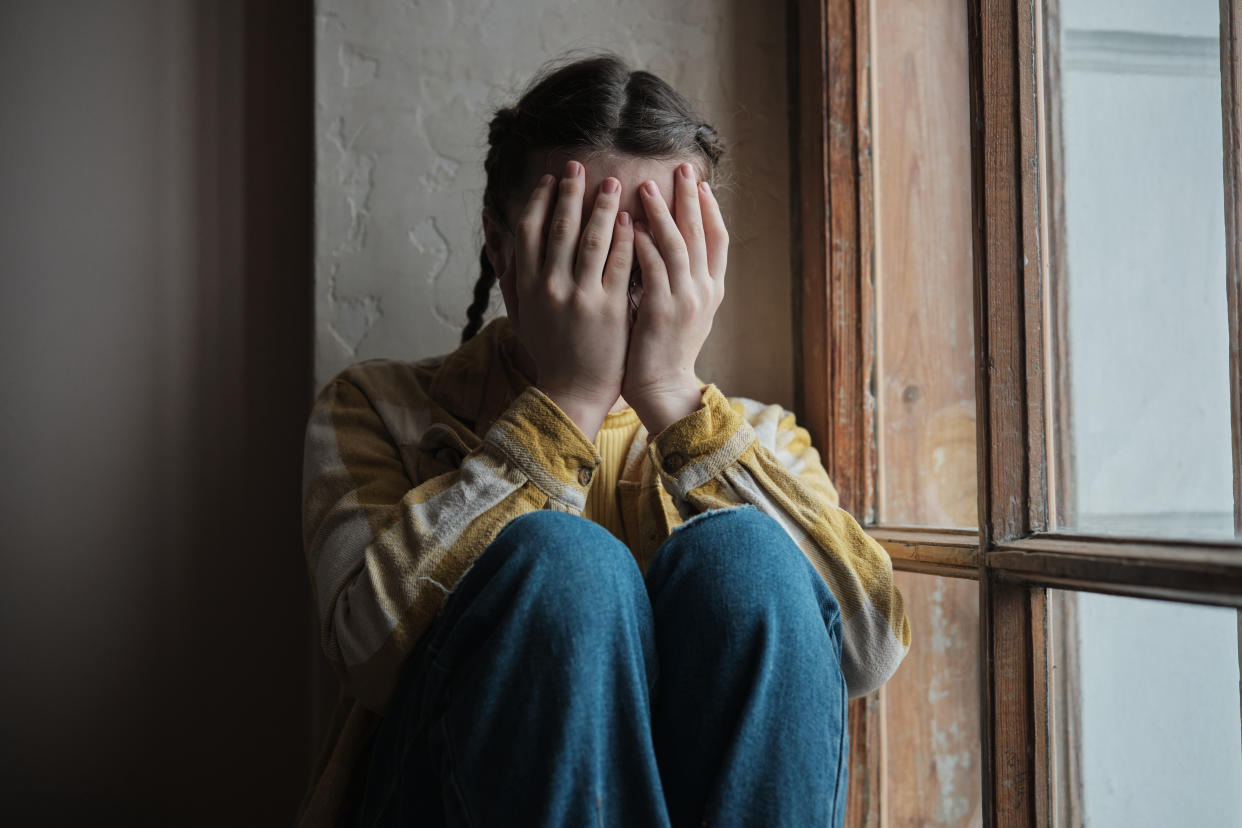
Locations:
(558, 687)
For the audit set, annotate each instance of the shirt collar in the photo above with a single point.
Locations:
(479, 380)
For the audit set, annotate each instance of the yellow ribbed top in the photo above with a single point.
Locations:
(612, 443)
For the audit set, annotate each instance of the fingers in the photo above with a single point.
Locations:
(598, 234)
(667, 236)
(530, 231)
(621, 258)
(566, 222)
(716, 236)
(689, 218)
(655, 274)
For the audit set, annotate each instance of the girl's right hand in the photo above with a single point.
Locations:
(573, 291)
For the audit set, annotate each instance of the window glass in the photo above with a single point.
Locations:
(1145, 719)
(1139, 330)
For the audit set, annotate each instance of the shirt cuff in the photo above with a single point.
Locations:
(548, 447)
(700, 445)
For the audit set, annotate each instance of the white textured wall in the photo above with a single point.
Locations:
(404, 92)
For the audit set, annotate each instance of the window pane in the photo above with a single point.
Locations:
(1145, 712)
(1140, 421)
(925, 393)
(931, 706)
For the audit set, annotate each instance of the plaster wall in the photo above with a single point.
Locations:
(404, 91)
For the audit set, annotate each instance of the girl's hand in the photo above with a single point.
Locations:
(683, 267)
(572, 293)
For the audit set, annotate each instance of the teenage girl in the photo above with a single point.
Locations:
(562, 580)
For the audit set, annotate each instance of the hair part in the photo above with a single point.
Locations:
(596, 105)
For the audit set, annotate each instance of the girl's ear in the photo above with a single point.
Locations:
(497, 243)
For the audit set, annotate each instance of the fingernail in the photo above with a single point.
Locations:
(573, 169)
(611, 186)
(546, 179)
(686, 170)
(704, 187)
(640, 226)
(651, 189)
(623, 219)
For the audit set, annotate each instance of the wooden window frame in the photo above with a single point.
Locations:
(1014, 555)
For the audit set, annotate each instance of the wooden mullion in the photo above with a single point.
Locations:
(1040, 706)
(865, 797)
(828, 317)
(852, 418)
(923, 567)
(1231, 75)
(1144, 576)
(846, 403)
(1032, 250)
(1001, 49)
(866, 262)
(999, 272)
(926, 535)
(834, 301)
(1209, 555)
(1176, 592)
(947, 548)
(1009, 741)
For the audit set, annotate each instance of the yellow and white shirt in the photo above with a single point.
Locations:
(412, 468)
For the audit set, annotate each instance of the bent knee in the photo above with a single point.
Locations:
(572, 565)
(742, 539)
(742, 561)
(546, 536)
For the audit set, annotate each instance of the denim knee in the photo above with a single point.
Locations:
(574, 571)
(740, 563)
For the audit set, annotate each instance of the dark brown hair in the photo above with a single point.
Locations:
(597, 104)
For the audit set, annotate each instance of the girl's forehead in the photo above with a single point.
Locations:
(630, 170)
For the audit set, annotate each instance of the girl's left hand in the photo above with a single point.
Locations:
(683, 268)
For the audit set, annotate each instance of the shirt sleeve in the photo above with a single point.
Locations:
(383, 551)
(729, 453)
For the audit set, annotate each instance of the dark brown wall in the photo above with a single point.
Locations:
(155, 318)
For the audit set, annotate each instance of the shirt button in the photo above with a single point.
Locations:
(584, 476)
(673, 462)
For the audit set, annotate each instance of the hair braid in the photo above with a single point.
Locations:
(482, 297)
(709, 142)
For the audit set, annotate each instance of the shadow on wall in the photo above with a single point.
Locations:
(751, 350)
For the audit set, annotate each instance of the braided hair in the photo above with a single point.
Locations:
(597, 104)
